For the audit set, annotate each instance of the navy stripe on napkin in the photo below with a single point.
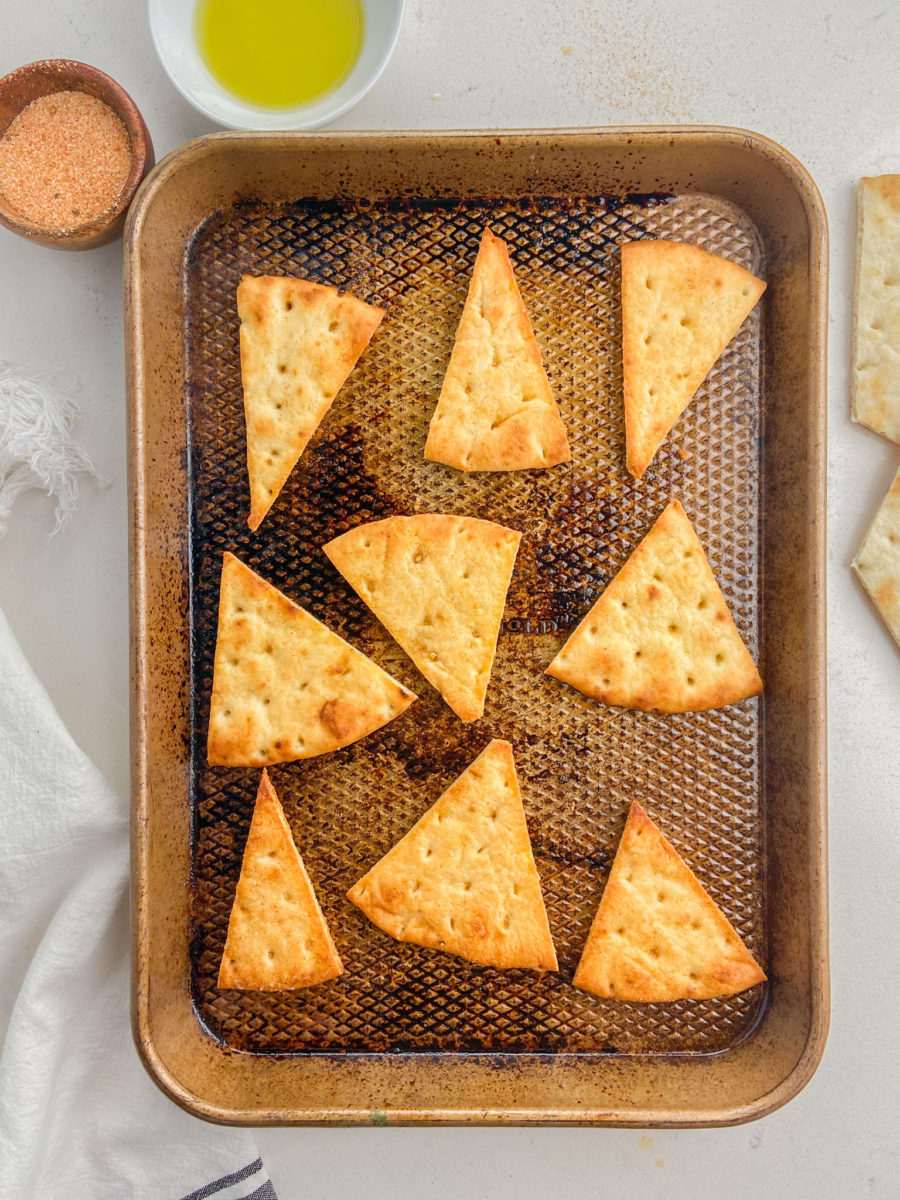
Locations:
(266, 1192)
(252, 1175)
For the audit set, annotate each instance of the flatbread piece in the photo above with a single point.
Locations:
(658, 935)
(680, 308)
(277, 935)
(661, 636)
(496, 411)
(463, 878)
(876, 325)
(438, 584)
(299, 342)
(877, 564)
(284, 685)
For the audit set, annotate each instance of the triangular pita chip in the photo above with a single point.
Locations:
(496, 411)
(878, 562)
(661, 636)
(463, 879)
(277, 935)
(680, 309)
(284, 685)
(438, 583)
(299, 342)
(658, 935)
(876, 324)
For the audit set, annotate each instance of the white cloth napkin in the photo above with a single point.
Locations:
(79, 1117)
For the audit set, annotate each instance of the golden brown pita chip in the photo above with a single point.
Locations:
(877, 563)
(463, 879)
(876, 325)
(277, 935)
(438, 583)
(661, 636)
(496, 411)
(658, 935)
(284, 685)
(680, 309)
(299, 342)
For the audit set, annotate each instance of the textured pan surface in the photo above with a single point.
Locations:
(580, 763)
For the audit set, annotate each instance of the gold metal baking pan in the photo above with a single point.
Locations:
(408, 1034)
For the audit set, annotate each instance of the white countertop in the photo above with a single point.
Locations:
(823, 79)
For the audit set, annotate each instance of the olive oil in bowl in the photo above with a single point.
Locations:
(279, 53)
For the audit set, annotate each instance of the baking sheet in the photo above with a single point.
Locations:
(409, 1034)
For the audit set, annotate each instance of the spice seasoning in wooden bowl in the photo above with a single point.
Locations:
(64, 160)
(73, 149)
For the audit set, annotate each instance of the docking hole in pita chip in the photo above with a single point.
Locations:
(299, 342)
(277, 935)
(463, 879)
(496, 411)
(661, 636)
(438, 584)
(658, 935)
(681, 306)
(285, 686)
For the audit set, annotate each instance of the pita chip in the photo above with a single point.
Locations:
(876, 325)
(658, 935)
(661, 636)
(496, 411)
(285, 686)
(277, 935)
(680, 308)
(299, 342)
(438, 584)
(877, 563)
(463, 879)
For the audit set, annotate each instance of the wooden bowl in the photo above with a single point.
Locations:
(27, 83)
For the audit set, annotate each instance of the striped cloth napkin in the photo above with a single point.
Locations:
(79, 1117)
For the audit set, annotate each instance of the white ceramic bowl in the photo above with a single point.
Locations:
(172, 28)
